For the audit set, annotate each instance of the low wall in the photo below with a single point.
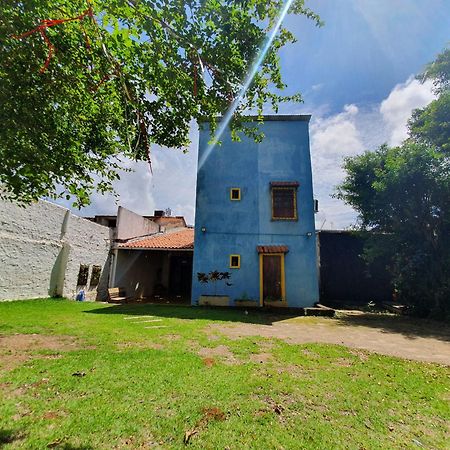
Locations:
(42, 247)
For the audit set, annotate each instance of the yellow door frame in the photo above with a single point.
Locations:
(261, 277)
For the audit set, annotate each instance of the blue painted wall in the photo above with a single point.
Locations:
(238, 227)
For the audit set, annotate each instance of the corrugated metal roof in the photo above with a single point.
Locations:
(177, 240)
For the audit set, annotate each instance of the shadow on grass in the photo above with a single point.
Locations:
(409, 327)
(225, 314)
(9, 436)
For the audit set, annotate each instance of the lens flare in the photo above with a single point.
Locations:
(254, 70)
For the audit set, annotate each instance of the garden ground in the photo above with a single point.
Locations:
(93, 376)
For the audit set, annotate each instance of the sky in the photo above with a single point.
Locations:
(356, 76)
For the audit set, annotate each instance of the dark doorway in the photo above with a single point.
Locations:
(180, 279)
(272, 277)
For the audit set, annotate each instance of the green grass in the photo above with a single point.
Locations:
(145, 388)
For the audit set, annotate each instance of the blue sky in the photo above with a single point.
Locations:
(365, 48)
(356, 76)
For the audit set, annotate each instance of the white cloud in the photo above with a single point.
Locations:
(172, 185)
(333, 136)
(352, 131)
(398, 106)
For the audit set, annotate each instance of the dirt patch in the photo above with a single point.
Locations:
(368, 335)
(209, 414)
(172, 337)
(50, 415)
(343, 362)
(209, 362)
(213, 337)
(261, 357)
(192, 345)
(15, 349)
(10, 361)
(214, 413)
(360, 354)
(30, 342)
(221, 352)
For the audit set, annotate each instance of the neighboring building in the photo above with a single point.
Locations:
(160, 219)
(45, 250)
(151, 256)
(255, 218)
(156, 267)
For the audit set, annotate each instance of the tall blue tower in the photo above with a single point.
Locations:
(255, 218)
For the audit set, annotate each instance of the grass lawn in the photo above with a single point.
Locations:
(95, 376)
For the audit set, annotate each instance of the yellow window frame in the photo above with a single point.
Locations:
(295, 202)
(238, 266)
(231, 194)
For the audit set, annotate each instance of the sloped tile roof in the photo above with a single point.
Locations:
(272, 248)
(177, 240)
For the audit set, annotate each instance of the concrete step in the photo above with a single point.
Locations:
(321, 312)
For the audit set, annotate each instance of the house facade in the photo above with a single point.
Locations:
(255, 219)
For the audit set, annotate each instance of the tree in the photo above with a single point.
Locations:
(402, 194)
(432, 123)
(84, 83)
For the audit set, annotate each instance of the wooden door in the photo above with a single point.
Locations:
(272, 277)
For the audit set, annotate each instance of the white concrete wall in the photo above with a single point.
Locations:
(42, 247)
(130, 225)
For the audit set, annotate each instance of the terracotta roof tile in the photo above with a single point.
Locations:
(272, 248)
(177, 240)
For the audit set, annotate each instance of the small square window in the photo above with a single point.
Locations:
(235, 261)
(235, 194)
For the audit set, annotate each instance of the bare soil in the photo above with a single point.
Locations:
(15, 349)
(384, 334)
(221, 351)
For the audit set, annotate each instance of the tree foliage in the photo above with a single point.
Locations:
(84, 83)
(403, 195)
(432, 123)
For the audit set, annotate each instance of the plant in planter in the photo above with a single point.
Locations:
(214, 277)
(245, 300)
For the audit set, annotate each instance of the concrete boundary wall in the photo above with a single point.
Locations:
(42, 247)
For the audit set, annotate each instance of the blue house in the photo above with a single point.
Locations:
(255, 219)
